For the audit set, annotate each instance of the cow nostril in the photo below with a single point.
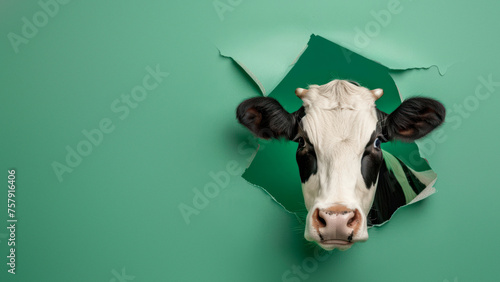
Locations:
(349, 223)
(320, 221)
(353, 220)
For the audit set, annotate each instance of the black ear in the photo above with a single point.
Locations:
(266, 118)
(414, 119)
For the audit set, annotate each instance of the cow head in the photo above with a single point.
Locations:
(339, 131)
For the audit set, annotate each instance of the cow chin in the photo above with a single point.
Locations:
(336, 226)
(331, 247)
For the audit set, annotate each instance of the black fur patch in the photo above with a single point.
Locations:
(414, 182)
(388, 197)
(371, 162)
(306, 159)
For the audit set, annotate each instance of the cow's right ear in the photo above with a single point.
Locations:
(414, 118)
(266, 118)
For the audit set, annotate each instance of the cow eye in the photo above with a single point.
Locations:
(377, 143)
(302, 143)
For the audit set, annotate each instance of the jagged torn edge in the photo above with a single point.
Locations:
(441, 71)
(428, 190)
(254, 78)
(265, 190)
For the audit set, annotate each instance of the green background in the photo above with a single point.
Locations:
(119, 208)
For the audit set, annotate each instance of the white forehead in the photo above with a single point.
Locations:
(339, 113)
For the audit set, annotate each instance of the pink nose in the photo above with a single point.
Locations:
(336, 224)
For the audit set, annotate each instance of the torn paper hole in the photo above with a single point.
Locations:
(274, 167)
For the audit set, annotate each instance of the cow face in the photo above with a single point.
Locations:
(339, 131)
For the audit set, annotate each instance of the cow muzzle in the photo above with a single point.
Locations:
(337, 227)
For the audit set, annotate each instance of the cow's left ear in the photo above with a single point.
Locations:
(414, 119)
(266, 118)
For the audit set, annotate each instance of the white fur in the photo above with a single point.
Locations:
(340, 118)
